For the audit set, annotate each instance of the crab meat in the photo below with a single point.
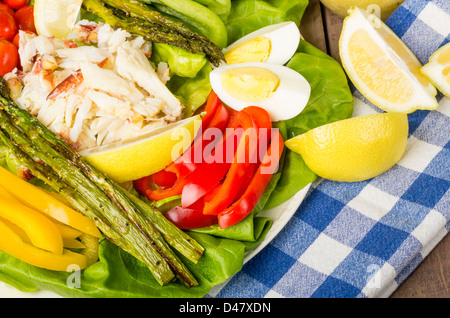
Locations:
(86, 31)
(93, 95)
(72, 58)
(132, 64)
(14, 85)
(108, 81)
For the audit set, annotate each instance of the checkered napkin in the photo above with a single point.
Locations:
(363, 239)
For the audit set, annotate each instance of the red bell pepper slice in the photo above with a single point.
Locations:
(264, 123)
(146, 186)
(247, 202)
(201, 181)
(245, 155)
(211, 107)
(193, 157)
(190, 218)
(211, 172)
(164, 179)
(141, 185)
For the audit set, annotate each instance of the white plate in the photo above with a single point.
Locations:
(280, 215)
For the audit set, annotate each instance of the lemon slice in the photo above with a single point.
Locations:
(56, 17)
(437, 70)
(133, 159)
(382, 67)
(354, 149)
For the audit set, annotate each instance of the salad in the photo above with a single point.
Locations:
(201, 219)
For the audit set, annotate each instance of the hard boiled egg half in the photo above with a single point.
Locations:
(254, 75)
(281, 91)
(275, 44)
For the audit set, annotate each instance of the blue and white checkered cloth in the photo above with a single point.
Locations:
(363, 239)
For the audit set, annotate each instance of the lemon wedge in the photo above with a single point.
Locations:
(382, 67)
(132, 159)
(437, 70)
(354, 149)
(56, 17)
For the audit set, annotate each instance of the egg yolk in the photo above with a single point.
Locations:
(250, 84)
(253, 50)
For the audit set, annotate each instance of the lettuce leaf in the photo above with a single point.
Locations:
(181, 62)
(248, 16)
(192, 92)
(220, 7)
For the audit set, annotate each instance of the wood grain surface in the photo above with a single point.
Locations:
(431, 279)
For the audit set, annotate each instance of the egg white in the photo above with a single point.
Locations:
(284, 38)
(287, 101)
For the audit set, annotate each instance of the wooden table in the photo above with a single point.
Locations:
(431, 279)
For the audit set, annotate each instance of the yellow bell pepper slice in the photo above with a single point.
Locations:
(21, 233)
(69, 242)
(43, 202)
(73, 243)
(66, 231)
(12, 244)
(6, 194)
(42, 232)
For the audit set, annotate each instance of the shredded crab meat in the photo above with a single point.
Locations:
(94, 88)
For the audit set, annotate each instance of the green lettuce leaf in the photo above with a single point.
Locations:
(248, 16)
(247, 230)
(220, 7)
(192, 92)
(181, 62)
